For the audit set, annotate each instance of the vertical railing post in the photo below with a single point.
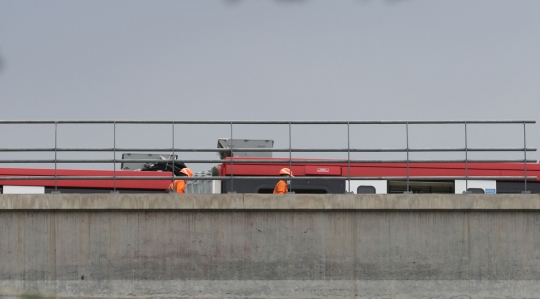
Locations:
(290, 158)
(525, 159)
(466, 161)
(349, 157)
(232, 160)
(172, 172)
(407, 137)
(114, 157)
(55, 155)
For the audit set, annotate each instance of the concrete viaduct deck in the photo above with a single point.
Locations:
(268, 246)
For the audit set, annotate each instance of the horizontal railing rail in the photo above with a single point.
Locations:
(265, 161)
(269, 122)
(273, 150)
(214, 178)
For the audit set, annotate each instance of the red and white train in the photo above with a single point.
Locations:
(379, 178)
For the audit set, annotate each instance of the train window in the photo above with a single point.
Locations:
(422, 186)
(366, 190)
(310, 191)
(476, 191)
(517, 187)
(299, 186)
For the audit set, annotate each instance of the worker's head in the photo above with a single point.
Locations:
(286, 172)
(186, 171)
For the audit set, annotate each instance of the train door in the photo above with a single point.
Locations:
(23, 190)
(368, 186)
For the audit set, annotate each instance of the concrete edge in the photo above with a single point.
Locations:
(376, 289)
(310, 202)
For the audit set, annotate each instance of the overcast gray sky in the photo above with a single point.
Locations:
(269, 60)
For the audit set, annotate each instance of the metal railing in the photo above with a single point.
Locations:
(289, 150)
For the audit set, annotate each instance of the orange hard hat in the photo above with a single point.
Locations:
(286, 171)
(187, 171)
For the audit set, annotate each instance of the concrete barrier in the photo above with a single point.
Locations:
(266, 246)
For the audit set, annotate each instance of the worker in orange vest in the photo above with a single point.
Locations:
(180, 185)
(281, 186)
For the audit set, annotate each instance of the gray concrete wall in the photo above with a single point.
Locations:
(265, 246)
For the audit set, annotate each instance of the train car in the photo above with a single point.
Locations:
(386, 178)
(81, 181)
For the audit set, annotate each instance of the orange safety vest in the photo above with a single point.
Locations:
(281, 187)
(179, 186)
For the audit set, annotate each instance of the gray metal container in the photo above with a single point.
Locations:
(244, 143)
